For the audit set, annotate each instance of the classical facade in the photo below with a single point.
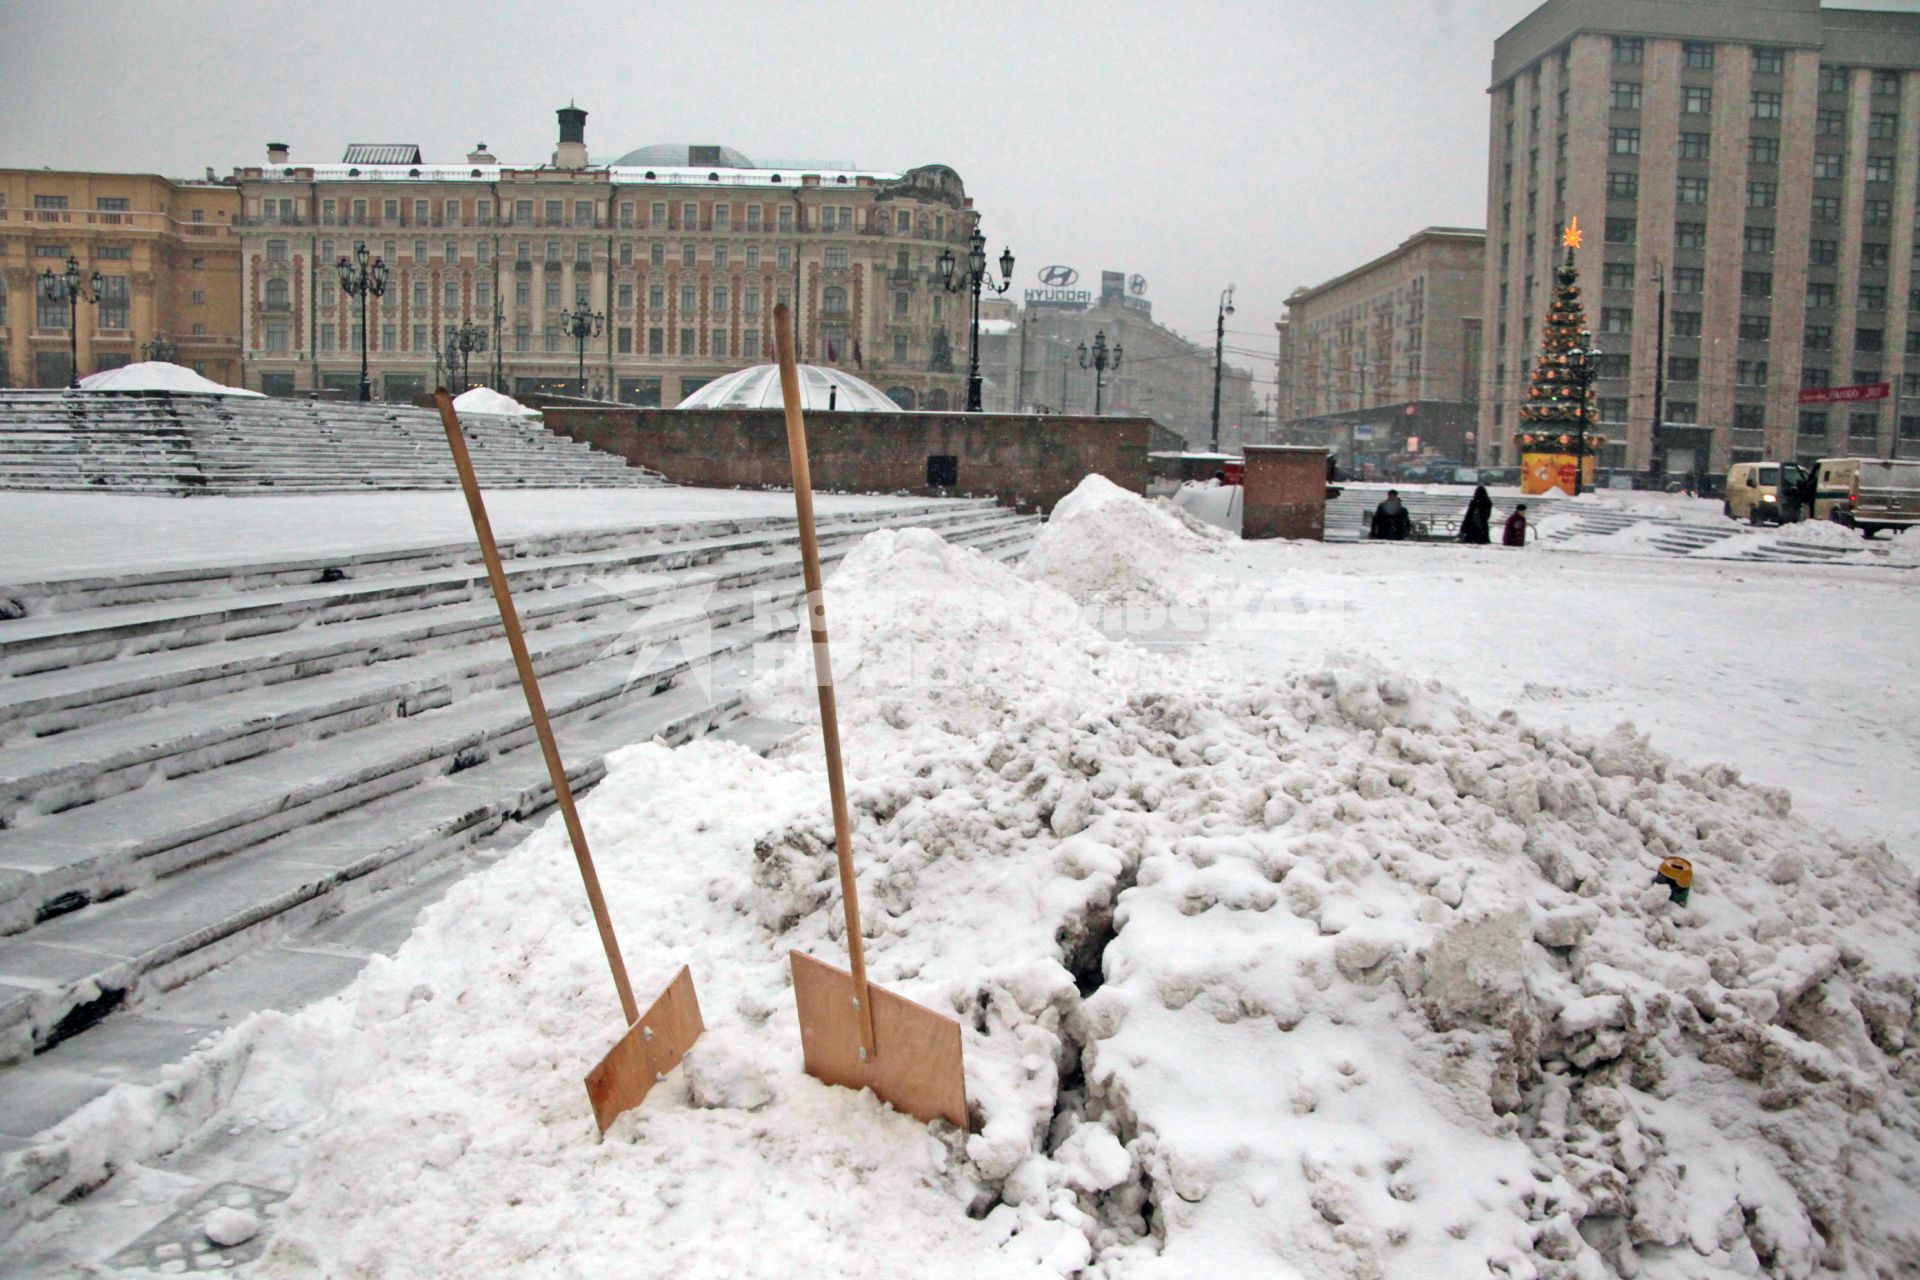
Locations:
(1755, 157)
(1161, 375)
(169, 265)
(684, 250)
(1392, 348)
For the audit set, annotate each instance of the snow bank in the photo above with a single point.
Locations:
(487, 400)
(158, 375)
(1220, 505)
(1104, 544)
(1321, 976)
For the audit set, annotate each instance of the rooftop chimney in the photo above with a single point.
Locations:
(277, 152)
(480, 155)
(573, 139)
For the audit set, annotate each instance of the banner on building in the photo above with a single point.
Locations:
(1846, 395)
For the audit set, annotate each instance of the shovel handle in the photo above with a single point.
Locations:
(823, 670)
(536, 706)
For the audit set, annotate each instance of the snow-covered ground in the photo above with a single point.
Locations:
(1296, 902)
(91, 533)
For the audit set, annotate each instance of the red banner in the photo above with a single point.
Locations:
(1840, 395)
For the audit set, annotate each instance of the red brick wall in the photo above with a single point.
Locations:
(1025, 461)
(1286, 493)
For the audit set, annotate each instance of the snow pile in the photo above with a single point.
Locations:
(1220, 506)
(1819, 533)
(487, 400)
(1902, 549)
(1103, 544)
(1321, 976)
(158, 375)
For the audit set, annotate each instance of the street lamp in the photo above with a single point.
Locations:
(361, 278)
(1099, 361)
(582, 325)
(159, 349)
(1219, 356)
(975, 280)
(1580, 362)
(464, 340)
(53, 288)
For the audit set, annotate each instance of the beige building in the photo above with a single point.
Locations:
(169, 266)
(1393, 347)
(1756, 156)
(684, 250)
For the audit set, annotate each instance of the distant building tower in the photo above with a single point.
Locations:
(572, 153)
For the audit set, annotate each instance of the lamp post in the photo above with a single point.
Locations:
(362, 278)
(1219, 356)
(1657, 445)
(582, 325)
(1580, 362)
(464, 340)
(976, 279)
(69, 286)
(1099, 361)
(159, 349)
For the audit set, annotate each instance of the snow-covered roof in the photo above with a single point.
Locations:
(758, 387)
(663, 175)
(997, 328)
(157, 375)
(381, 153)
(675, 154)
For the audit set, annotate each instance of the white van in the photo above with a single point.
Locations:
(1763, 492)
(1868, 494)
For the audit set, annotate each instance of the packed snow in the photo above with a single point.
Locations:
(158, 375)
(1306, 968)
(487, 400)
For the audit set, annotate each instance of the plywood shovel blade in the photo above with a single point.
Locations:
(917, 1066)
(652, 1047)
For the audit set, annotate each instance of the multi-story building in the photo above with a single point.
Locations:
(684, 250)
(1161, 374)
(1392, 348)
(1758, 158)
(169, 266)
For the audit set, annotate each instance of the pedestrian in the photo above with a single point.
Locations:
(1515, 534)
(1476, 525)
(1391, 523)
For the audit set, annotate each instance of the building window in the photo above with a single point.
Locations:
(833, 301)
(583, 213)
(687, 346)
(523, 293)
(1829, 164)
(1883, 126)
(623, 341)
(1762, 149)
(1876, 213)
(626, 253)
(1684, 412)
(1623, 142)
(482, 295)
(1813, 376)
(1869, 339)
(1620, 231)
(723, 217)
(689, 255)
(1873, 297)
(1689, 235)
(553, 251)
(656, 255)
(1873, 256)
(1826, 208)
(1690, 191)
(836, 259)
(753, 252)
(1817, 337)
(626, 297)
(656, 297)
(1623, 186)
(1749, 417)
(1820, 294)
(689, 220)
(419, 295)
(1750, 373)
(784, 258)
(656, 342)
(1683, 368)
(1879, 168)
(1833, 79)
(1830, 124)
(750, 297)
(1617, 275)
(1769, 62)
(1612, 365)
(551, 297)
(1759, 240)
(1813, 425)
(720, 256)
(1755, 328)
(450, 295)
(1685, 324)
(721, 299)
(1761, 195)
(689, 299)
(1696, 100)
(1697, 56)
(1616, 320)
(1886, 82)
(718, 343)
(583, 254)
(1626, 95)
(1689, 281)
(753, 217)
(1628, 50)
(1765, 105)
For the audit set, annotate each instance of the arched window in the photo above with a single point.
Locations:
(937, 398)
(833, 301)
(276, 291)
(902, 396)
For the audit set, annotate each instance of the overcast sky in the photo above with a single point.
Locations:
(1268, 144)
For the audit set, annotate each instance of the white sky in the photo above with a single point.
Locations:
(1268, 144)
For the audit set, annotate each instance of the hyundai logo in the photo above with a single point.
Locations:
(1137, 285)
(1058, 277)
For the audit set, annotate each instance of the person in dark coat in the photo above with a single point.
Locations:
(1390, 520)
(1515, 534)
(1475, 526)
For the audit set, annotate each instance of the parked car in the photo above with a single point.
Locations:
(1868, 494)
(1765, 492)
(1491, 476)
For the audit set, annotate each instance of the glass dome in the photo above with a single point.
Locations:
(758, 387)
(674, 155)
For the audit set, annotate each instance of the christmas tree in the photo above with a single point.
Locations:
(1554, 399)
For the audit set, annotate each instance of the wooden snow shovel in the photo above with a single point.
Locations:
(852, 1033)
(657, 1040)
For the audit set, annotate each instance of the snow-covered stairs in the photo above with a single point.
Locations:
(194, 760)
(168, 442)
